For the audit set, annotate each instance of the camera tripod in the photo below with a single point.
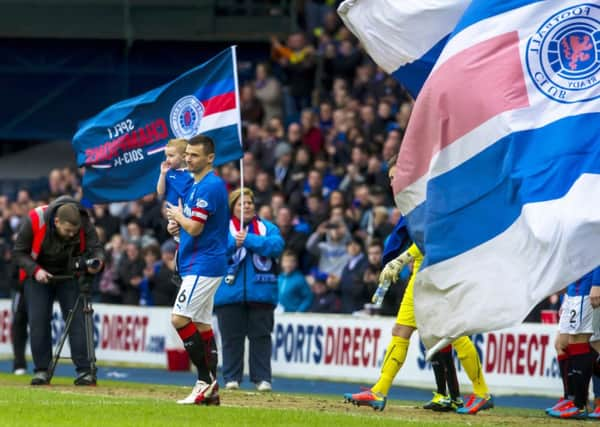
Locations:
(84, 303)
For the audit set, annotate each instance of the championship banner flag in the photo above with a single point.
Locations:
(122, 147)
(499, 170)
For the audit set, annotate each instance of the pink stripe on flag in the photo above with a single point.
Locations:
(470, 88)
(219, 103)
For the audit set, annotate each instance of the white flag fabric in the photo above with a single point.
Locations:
(499, 170)
(406, 37)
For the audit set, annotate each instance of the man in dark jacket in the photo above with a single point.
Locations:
(49, 241)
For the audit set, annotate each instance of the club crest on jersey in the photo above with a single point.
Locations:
(262, 263)
(201, 203)
(563, 55)
(185, 117)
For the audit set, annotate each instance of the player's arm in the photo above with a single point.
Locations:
(192, 225)
(270, 245)
(595, 289)
(22, 249)
(392, 269)
(595, 296)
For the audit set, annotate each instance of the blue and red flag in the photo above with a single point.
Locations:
(122, 147)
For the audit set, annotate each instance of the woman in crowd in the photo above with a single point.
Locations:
(245, 301)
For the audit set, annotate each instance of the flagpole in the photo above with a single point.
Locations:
(237, 101)
(437, 347)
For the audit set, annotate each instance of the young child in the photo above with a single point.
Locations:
(174, 180)
(325, 300)
(294, 293)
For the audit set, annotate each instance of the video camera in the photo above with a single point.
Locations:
(81, 264)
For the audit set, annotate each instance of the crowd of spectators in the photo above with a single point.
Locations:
(320, 122)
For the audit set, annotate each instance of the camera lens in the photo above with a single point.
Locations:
(93, 263)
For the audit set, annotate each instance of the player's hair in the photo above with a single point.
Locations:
(235, 195)
(206, 142)
(69, 213)
(179, 144)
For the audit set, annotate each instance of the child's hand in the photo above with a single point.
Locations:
(175, 213)
(164, 167)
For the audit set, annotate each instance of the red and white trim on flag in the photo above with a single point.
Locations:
(199, 214)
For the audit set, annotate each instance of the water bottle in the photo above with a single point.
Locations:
(380, 293)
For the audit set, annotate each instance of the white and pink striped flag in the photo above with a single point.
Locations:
(499, 170)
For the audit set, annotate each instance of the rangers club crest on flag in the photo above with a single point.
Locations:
(562, 55)
(185, 117)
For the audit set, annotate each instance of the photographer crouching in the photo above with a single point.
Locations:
(57, 241)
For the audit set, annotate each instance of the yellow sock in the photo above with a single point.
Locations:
(395, 356)
(467, 354)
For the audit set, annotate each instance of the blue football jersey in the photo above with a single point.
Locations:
(177, 184)
(582, 286)
(205, 255)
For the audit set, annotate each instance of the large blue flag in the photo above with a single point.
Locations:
(122, 147)
(499, 171)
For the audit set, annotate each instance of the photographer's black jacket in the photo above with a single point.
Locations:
(56, 254)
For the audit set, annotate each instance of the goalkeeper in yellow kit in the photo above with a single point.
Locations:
(405, 325)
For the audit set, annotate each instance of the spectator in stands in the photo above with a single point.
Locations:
(381, 227)
(131, 273)
(328, 243)
(294, 293)
(151, 256)
(10, 286)
(152, 222)
(103, 218)
(325, 299)
(264, 148)
(312, 136)
(277, 202)
(162, 285)
(6, 266)
(282, 168)
(231, 175)
(298, 62)
(245, 301)
(352, 291)
(343, 63)
(263, 189)
(325, 116)
(376, 176)
(268, 92)
(294, 135)
(266, 212)
(298, 175)
(403, 114)
(250, 169)
(295, 241)
(316, 211)
(314, 184)
(56, 184)
(250, 107)
(109, 289)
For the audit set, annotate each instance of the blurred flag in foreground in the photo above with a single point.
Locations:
(122, 147)
(499, 170)
(404, 38)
